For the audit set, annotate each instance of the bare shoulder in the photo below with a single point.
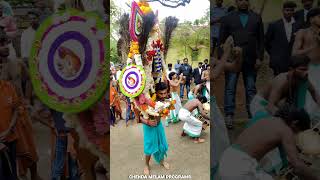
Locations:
(301, 32)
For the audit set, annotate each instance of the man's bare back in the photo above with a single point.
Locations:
(194, 104)
(258, 140)
(307, 42)
(271, 133)
(279, 85)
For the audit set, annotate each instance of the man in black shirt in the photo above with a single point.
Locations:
(246, 28)
(186, 70)
(197, 73)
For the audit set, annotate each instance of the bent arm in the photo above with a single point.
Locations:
(274, 98)
(236, 65)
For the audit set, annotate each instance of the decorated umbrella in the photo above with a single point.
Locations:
(145, 63)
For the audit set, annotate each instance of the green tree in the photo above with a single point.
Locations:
(115, 13)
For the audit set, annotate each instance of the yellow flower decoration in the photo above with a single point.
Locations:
(144, 6)
(134, 49)
(154, 97)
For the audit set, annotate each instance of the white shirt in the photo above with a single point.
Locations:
(288, 28)
(27, 38)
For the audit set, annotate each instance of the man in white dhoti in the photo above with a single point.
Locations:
(240, 160)
(174, 88)
(192, 125)
(307, 43)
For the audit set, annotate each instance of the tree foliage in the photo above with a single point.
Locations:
(193, 38)
(115, 14)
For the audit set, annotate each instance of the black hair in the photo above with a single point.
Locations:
(161, 86)
(200, 63)
(289, 113)
(312, 13)
(289, 4)
(202, 99)
(299, 60)
(206, 60)
(171, 75)
(169, 65)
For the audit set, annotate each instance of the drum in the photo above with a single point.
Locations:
(206, 107)
(309, 141)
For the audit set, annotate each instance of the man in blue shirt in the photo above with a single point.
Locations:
(217, 12)
(177, 66)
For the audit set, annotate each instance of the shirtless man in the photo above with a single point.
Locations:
(206, 73)
(174, 88)
(240, 160)
(286, 86)
(307, 41)
(174, 81)
(192, 125)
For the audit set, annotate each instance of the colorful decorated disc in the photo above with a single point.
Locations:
(68, 64)
(136, 21)
(132, 81)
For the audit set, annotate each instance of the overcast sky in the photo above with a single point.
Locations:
(195, 10)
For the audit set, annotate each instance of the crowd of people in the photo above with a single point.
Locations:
(191, 111)
(178, 78)
(20, 109)
(285, 106)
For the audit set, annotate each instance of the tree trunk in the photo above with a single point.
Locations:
(185, 50)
